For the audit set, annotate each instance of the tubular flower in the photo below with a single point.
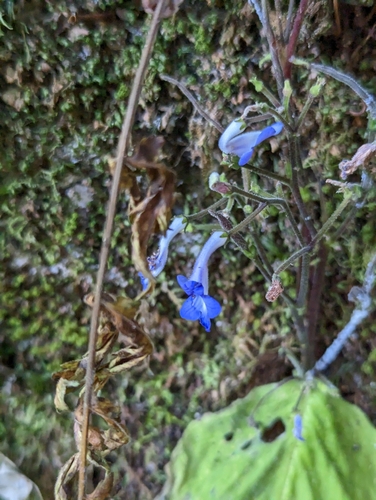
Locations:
(158, 259)
(234, 141)
(199, 305)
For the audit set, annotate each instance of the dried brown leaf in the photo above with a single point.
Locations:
(66, 474)
(363, 156)
(152, 214)
(61, 390)
(103, 489)
(128, 326)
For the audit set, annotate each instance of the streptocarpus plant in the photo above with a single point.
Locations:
(300, 220)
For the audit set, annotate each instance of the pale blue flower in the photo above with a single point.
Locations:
(235, 141)
(200, 305)
(157, 260)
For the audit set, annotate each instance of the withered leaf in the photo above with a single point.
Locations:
(61, 390)
(152, 214)
(125, 323)
(66, 474)
(103, 489)
(360, 158)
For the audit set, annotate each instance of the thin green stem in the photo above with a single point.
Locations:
(270, 97)
(304, 112)
(261, 251)
(270, 175)
(244, 223)
(220, 203)
(272, 201)
(246, 179)
(316, 239)
(193, 100)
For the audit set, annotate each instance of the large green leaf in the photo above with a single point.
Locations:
(248, 451)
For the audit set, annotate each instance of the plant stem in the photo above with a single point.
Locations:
(270, 175)
(296, 165)
(272, 201)
(193, 100)
(290, 16)
(261, 252)
(220, 203)
(246, 179)
(107, 233)
(316, 239)
(244, 223)
(293, 38)
(304, 279)
(304, 112)
(314, 302)
(272, 47)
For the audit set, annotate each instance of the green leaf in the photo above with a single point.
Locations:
(248, 451)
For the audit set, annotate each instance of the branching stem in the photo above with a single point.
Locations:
(308, 249)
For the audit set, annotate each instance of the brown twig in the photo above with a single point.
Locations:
(297, 26)
(194, 101)
(122, 145)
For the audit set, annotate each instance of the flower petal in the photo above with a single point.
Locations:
(246, 157)
(235, 128)
(144, 281)
(213, 307)
(243, 143)
(270, 131)
(189, 309)
(206, 323)
(189, 286)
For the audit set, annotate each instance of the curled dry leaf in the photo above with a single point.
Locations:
(66, 484)
(103, 490)
(170, 9)
(64, 490)
(149, 213)
(363, 156)
(102, 441)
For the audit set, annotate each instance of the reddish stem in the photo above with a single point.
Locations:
(290, 51)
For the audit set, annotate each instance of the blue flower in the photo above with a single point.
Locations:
(157, 260)
(199, 304)
(234, 141)
(298, 427)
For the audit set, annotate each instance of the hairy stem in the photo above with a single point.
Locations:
(244, 223)
(296, 165)
(270, 175)
(193, 100)
(308, 249)
(220, 203)
(272, 201)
